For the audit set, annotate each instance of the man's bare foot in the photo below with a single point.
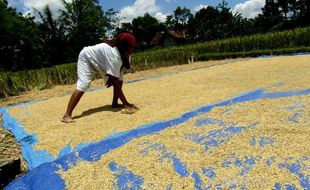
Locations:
(67, 119)
(118, 106)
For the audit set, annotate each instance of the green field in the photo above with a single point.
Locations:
(291, 41)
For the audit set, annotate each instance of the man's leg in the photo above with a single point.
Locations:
(115, 97)
(74, 100)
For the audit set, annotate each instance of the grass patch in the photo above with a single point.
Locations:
(292, 41)
(256, 53)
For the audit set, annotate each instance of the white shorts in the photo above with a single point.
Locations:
(86, 71)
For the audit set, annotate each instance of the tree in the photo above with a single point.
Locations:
(191, 31)
(301, 9)
(181, 18)
(20, 45)
(242, 26)
(145, 28)
(53, 35)
(214, 23)
(169, 23)
(125, 27)
(205, 20)
(85, 23)
(225, 20)
(113, 22)
(284, 7)
(270, 18)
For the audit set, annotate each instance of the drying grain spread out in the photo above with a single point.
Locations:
(247, 127)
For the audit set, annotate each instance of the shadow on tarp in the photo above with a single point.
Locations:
(106, 108)
(46, 175)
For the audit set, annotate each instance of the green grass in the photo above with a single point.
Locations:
(14, 83)
(255, 53)
(297, 40)
(180, 55)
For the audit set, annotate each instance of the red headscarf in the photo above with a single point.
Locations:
(126, 43)
(125, 39)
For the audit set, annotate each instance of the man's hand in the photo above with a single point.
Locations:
(117, 85)
(131, 106)
(130, 109)
(118, 92)
(109, 82)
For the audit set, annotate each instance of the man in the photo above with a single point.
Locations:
(104, 58)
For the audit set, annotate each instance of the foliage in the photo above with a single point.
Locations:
(179, 20)
(253, 43)
(54, 40)
(26, 44)
(20, 47)
(144, 28)
(14, 83)
(85, 23)
(113, 22)
(298, 40)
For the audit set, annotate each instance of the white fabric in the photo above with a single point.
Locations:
(106, 77)
(100, 58)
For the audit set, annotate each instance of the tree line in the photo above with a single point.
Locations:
(29, 44)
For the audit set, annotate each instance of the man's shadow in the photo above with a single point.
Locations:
(96, 110)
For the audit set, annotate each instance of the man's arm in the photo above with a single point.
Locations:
(115, 97)
(117, 85)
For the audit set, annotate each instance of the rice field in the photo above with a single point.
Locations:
(292, 41)
(241, 124)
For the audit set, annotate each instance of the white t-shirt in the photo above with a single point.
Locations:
(106, 58)
(101, 58)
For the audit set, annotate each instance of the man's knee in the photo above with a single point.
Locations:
(82, 86)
